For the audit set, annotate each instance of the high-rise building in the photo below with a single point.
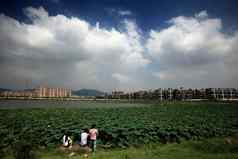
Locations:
(52, 92)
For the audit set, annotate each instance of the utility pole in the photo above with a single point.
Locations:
(129, 96)
(181, 93)
(231, 93)
(170, 93)
(223, 97)
(161, 94)
(214, 93)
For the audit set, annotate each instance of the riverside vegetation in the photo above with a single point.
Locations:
(119, 127)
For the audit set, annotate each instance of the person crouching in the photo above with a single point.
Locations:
(67, 141)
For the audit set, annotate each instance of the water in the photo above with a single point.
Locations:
(13, 104)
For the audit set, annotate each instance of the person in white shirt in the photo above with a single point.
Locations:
(84, 137)
(67, 141)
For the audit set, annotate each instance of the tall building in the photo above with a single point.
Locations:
(52, 92)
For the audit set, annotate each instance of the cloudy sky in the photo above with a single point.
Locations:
(119, 44)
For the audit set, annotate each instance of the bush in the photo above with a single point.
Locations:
(23, 150)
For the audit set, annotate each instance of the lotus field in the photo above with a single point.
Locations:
(120, 126)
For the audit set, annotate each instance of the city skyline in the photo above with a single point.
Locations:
(158, 94)
(118, 44)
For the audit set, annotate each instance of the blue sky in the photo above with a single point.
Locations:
(119, 44)
(148, 13)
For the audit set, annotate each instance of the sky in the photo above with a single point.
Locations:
(119, 44)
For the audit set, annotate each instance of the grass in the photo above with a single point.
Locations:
(44, 126)
(205, 149)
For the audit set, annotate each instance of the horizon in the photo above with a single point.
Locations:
(118, 90)
(119, 45)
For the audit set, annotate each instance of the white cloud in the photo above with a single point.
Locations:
(36, 13)
(124, 12)
(188, 36)
(135, 59)
(164, 75)
(119, 12)
(121, 78)
(193, 49)
(202, 14)
(69, 51)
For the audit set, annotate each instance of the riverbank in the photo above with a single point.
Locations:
(216, 148)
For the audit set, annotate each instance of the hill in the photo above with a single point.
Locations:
(4, 89)
(88, 92)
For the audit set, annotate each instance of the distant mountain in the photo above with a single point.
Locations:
(88, 92)
(4, 89)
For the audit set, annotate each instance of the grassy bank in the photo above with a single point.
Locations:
(205, 149)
